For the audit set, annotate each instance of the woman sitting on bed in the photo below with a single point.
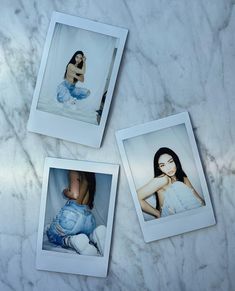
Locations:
(173, 190)
(74, 226)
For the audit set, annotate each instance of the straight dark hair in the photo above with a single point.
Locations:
(90, 177)
(180, 174)
(72, 61)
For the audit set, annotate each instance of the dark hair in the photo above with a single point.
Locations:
(90, 177)
(72, 61)
(180, 174)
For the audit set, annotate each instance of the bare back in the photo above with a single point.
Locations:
(83, 197)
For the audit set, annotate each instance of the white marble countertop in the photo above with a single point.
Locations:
(179, 56)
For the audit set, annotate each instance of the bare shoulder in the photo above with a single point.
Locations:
(71, 67)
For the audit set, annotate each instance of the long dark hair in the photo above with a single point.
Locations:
(90, 177)
(180, 174)
(72, 61)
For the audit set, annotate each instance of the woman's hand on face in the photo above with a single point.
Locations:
(66, 192)
(69, 194)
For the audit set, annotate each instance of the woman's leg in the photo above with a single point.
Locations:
(63, 92)
(80, 93)
(85, 224)
(97, 237)
(80, 243)
(56, 234)
(71, 227)
(68, 221)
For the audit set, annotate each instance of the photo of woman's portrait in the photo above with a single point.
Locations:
(76, 216)
(76, 79)
(164, 172)
(77, 73)
(172, 188)
(76, 213)
(166, 177)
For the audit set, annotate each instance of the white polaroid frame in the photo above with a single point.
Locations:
(58, 126)
(173, 224)
(67, 262)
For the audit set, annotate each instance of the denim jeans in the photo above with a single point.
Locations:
(72, 219)
(66, 90)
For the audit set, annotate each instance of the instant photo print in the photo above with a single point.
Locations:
(76, 217)
(76, 79)
(165, 176)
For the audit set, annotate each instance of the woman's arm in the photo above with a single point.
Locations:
(147, 208)
(188, 183)
(147, 190)
(78, 77)
(73, 69)
(71, 75)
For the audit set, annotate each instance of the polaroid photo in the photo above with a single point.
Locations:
(165, 176)
(76, 79)
(76, 217)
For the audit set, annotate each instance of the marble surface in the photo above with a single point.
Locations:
(180, 55)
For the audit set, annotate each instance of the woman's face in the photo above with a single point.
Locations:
(167, 165)
(78, 58)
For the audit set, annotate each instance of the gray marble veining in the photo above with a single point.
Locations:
(180, 55)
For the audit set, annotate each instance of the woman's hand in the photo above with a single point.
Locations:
(203, 203)
(152, 186)
(158, 214)
(80, 78)
(69, 194)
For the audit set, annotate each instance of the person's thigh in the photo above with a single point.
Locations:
(63, 93)
(80, 93)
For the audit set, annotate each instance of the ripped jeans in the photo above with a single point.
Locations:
(72, 219)
(67, 90)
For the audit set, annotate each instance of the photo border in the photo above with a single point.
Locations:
(75, 263)
(57, 126)
(173, 224)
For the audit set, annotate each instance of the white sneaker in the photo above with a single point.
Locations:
(80, 243)
(98, 238)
